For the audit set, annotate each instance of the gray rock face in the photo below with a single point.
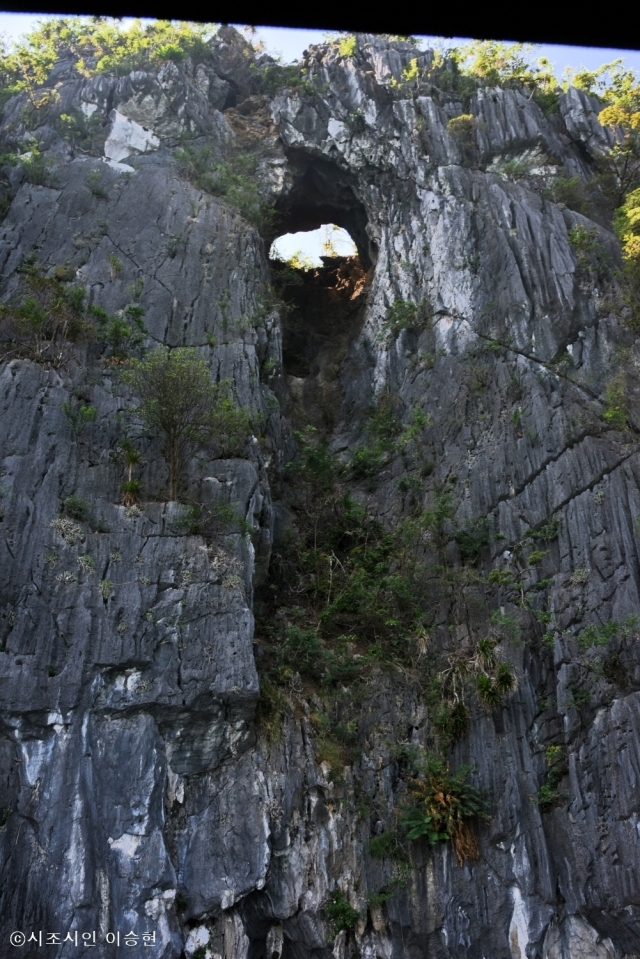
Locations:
(138, 792)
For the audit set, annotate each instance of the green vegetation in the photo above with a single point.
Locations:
(473, 669)
(69, 531)
(98, 45)
(78, 416)
(347, 45)
(508, 65)
(472, 538)
(44, 320)
(355, 608)
(122, 332)
(76, 508)
(341, 914)
(627, 223)
(571, 191)
(619, 175)
(130, 457)
(440, 806)
(87, 564)
(443, 806)
(547, 532)
(584, 239)
(389, 845)
(516, 169)
(464, 69)
(232, 179)
(350, 591)
(272, 78)
(95, 184)
(180, 403)
(51, 314)
(616, 402)
(287, 272)
(79, 130)
(412, 72)
(211, 521)
(386, 435)
(347, 596)
(404, 315)
(463, 130)
(549, 795)
(602, 634)
(590, 255)
(106, 589)
(115, 266)
(619, 90)
(37, 168)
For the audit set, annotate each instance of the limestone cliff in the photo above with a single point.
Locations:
(140, 790)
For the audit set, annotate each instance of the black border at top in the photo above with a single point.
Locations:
(482, 21)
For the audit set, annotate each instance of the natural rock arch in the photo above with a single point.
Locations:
(322, 193)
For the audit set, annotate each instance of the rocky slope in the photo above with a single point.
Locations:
(138, 790)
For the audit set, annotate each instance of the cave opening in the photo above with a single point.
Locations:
(322, 193)
(323, 293)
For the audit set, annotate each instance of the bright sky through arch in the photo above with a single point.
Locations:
(328, 240)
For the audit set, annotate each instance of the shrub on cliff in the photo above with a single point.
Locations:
(444, 805)
(340, 912)
(181, 404)
(235, 180)
(121, 332)
(49, 316)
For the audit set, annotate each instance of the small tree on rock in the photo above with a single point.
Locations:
(181, 404)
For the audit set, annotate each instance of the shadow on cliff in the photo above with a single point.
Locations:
(324, 311)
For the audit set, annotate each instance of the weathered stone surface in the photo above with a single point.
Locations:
(137, 792)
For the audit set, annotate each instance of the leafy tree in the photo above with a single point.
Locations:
(619, 91)
(501, 64)
(498, 63)
(622, 163)
(100, 45)
(412, 72)
(25, 69)
(627, 225)
(347, 45)
(298, 261)
(180, 403)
